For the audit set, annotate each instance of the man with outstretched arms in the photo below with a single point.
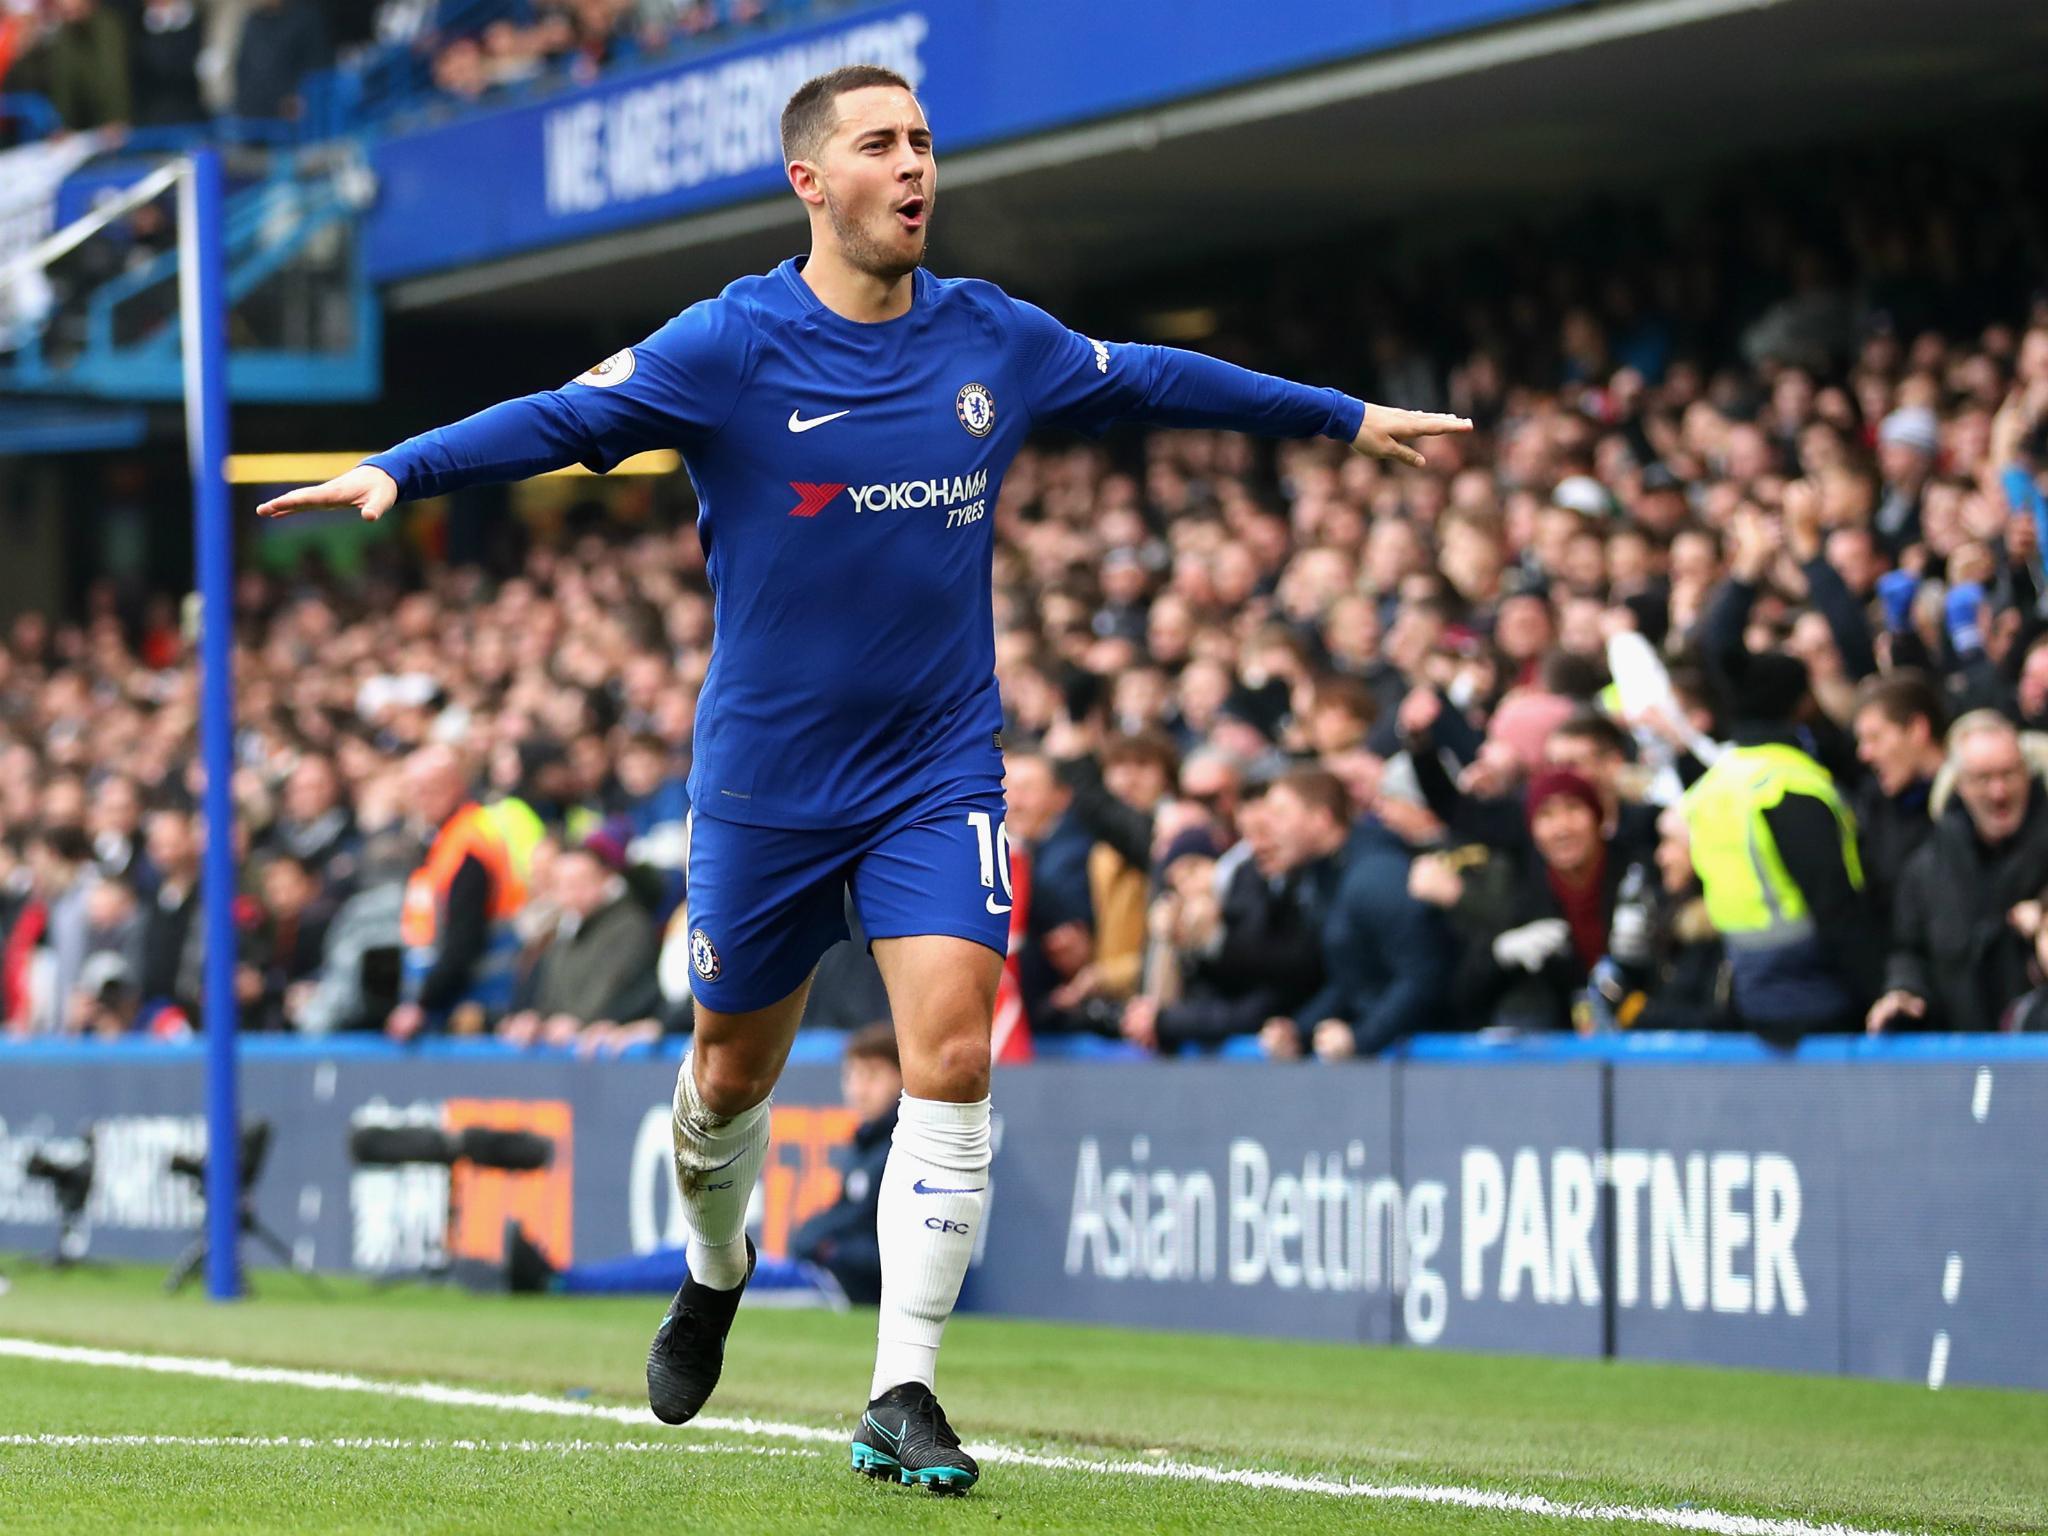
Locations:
(847, 419)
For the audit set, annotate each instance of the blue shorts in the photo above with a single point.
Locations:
(766, 902)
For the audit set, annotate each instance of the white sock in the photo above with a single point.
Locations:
(934, 1190)
(718, 1160)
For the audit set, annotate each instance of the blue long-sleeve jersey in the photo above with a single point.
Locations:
(846, 477)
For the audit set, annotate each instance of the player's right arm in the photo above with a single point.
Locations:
(671, 391)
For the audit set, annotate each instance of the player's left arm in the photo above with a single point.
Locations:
(1075, 381)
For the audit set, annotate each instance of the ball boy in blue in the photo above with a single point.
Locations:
(847, 420)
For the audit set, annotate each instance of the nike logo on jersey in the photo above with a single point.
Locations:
(995, 908)
(798, 424)
(922, 1188)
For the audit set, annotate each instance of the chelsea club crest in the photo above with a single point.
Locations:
(704, 955)
(976, 408)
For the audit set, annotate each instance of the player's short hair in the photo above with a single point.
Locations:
(1903, 697)
(1319, 790)
(874, 1042)
(812, 112)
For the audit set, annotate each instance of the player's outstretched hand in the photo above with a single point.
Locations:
(1380, 434)
(366, 488)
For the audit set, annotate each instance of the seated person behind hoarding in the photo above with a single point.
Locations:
(842, 1238)
(848, 419)
(598, 968)
(1239, 945)
(654, 799)
(289, 937)
(1307, 820)
(318, 826)
(459, 945)
(65, 884)
(1898, 723)
(1388, 956)
(165, 949)
(2029, 1014)
(1970, 899)
(1118, 792)
(1537, 923)
(358, 976)
(1680, 979)
(1086, 938)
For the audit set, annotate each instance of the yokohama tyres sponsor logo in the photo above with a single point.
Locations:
(955, 494)
(910, 495)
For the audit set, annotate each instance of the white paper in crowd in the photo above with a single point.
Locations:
(1644, 686)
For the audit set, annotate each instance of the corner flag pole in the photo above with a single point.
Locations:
(202, 304)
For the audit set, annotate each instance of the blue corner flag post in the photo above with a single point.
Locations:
(202, 296)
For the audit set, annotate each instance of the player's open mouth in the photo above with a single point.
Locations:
(911, 213)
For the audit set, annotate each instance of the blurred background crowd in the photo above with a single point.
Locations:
(1698, 688)
(155, 63)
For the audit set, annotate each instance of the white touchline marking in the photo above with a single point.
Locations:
(1714, 1521)
(382, 1443)
(412, 1391)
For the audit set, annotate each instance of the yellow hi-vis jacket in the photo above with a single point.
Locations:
(1751, 898)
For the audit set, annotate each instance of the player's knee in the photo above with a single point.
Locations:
(959, 1068)
(728, 1084)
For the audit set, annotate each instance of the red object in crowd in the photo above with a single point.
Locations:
(168, 1023)
(1011, 1041)
(160, 648)
(14, 960)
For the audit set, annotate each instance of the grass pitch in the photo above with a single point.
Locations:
(1089, 1429)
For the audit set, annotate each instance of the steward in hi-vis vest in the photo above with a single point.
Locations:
(1773, 841)
(456, 924)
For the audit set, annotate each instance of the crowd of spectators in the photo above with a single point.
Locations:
(117, 64)
(490, 46)
(113, 65)
(1307, 753)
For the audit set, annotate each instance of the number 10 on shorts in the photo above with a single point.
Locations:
(993, 843)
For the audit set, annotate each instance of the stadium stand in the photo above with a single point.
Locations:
(1698, 448)
(1759, 470)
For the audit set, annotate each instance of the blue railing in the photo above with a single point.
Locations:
(38, 119)
(270, 225)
